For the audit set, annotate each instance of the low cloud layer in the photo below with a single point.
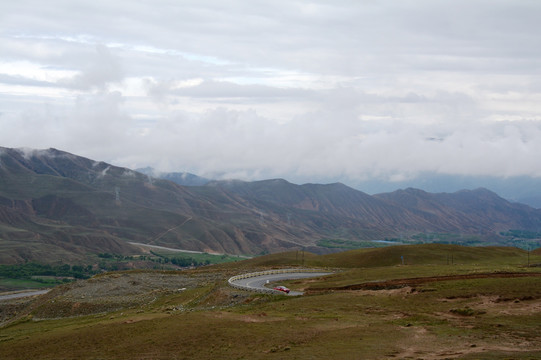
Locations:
(308, 91)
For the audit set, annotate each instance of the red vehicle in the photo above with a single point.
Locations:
(282, 288)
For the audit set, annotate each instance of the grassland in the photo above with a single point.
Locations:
(513, 238)
(351, 244)
(496, 316)
(13, 284)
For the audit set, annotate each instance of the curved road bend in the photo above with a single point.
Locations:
(258, 282)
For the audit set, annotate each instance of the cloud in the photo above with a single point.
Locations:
(307, 91)
(91, 124)
(24, 81)
(101, 69)
(229, 144)
(226, 143)
(225, 89)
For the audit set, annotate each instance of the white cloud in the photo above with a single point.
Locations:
(100, 70)
(303, 90)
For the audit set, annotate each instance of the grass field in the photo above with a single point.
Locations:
(15, 284)
(494, 317)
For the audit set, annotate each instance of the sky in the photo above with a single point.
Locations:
(309, 91)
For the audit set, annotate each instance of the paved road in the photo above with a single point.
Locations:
(258, 282)
(22, 294)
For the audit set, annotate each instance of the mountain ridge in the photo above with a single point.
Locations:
(60, 199)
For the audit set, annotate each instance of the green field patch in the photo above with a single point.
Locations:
(522, 239)
(193, 259)
(17, 284)
(34, 275)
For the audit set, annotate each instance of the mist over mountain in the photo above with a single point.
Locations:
(181, 178)
(56, 205)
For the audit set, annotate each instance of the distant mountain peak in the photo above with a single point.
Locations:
(181, 178)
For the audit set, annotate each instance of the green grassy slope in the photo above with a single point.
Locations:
(436, 254)
(463, 318)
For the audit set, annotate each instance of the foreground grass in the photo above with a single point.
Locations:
(425, 323)
(484, 318)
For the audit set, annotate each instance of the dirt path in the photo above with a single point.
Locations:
(168, 230)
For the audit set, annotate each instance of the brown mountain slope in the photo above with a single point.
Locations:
(129, 206)
(468, 211)
(50, 198)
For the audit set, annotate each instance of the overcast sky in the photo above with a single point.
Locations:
(303, 90)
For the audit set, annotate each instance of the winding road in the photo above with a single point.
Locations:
(258, 282)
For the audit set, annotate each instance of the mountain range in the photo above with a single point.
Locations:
(56, 205)
(522, 189)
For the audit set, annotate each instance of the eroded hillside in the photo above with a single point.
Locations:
(55, 205)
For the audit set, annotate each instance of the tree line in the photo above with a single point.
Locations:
(31, 269)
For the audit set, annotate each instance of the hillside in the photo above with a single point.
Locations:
(480, 212)
(485, 305)
(52, 198)
(58, 206)
(468, 211)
